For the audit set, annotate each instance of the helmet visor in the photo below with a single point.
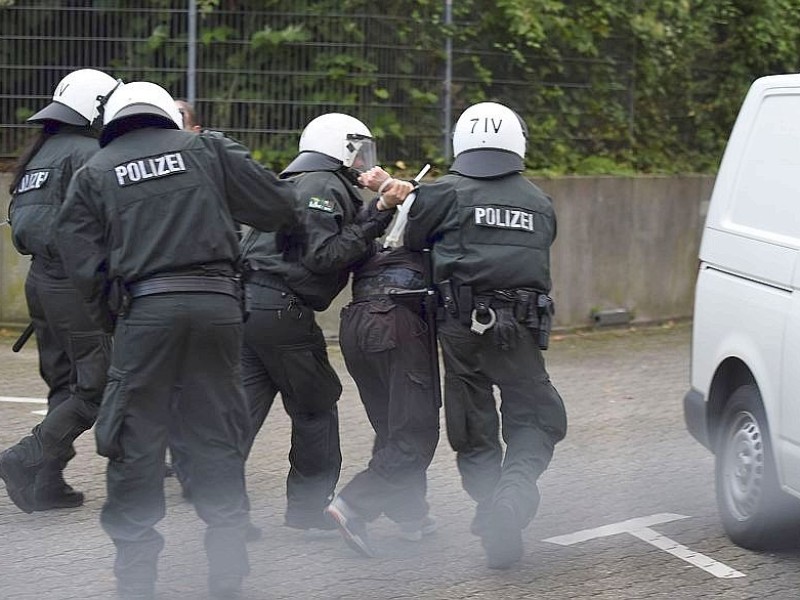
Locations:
(360, 153)
(56, 111)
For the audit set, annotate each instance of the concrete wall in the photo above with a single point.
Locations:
(629, 243)
(623, 243)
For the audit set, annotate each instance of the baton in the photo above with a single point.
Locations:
(431, 305)
(24, 336)
(395, 237)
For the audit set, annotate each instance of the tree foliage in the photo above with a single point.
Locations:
(606, 86)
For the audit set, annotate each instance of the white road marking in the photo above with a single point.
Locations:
(23, 400)
(640, 528)
(26, 401)
(717, 569)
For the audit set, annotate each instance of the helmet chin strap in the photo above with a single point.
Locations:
(102, 100)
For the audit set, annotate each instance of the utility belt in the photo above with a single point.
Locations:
(121, 294)
(478, 310)
(185, 283)
(400, 285)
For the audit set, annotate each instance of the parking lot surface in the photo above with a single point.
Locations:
(627, 458)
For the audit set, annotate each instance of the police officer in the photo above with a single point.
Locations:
(490, 230)
(148, 230)
(385, 342)
(290, 277)
(73, 350)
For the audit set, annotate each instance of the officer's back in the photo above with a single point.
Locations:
(168, 197)
(491, 232)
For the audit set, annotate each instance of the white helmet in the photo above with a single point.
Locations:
(489, 141)
(150, 103)
(331, 141)
(78, 98)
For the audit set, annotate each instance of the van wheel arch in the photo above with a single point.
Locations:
(730, 376)
(755, 512)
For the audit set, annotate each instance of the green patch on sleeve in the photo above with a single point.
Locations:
(321, 204)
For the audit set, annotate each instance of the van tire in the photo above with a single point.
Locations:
(755, 513)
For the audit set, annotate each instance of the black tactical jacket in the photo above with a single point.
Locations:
(41, 191)
(155, 201)
(485, 233)
(315, 261)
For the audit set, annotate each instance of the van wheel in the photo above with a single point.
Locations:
(755, 513)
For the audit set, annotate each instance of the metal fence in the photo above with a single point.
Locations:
(261, 75)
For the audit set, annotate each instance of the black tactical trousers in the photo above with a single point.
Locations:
(532, 416)
(284, 351)
(73, 359)
(181, 348)
(386, 351)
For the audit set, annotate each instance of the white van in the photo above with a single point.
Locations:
(744, 401)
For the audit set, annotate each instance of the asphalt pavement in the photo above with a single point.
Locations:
(627, 507)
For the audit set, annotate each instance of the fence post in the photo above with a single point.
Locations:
(448, 81)
(191, 67)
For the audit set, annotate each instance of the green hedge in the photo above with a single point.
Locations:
(606, 86)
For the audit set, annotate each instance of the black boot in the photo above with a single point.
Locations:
(51, 491)
(19, 480)
(502, 538)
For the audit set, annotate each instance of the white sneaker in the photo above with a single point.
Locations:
(352, 527)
